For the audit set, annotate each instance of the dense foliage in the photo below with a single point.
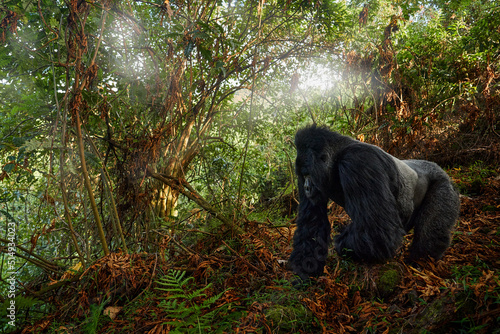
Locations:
(164, 126)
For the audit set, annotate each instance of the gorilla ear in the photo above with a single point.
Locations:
(324, 157)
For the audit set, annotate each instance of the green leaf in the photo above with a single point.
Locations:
(206, 53)
(220, 66)
(189, 48)
(8, 167)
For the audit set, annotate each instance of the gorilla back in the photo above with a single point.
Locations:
(385, 198)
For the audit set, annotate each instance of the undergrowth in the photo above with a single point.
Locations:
(190, 309)
(242, 285)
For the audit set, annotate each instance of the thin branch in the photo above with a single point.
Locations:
(184, 188)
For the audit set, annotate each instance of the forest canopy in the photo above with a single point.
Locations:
(165, 128)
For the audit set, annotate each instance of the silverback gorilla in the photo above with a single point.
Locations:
(385, 198)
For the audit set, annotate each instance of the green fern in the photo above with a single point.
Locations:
(23, 305)
(26, 302)
(91, 324)
(189, 316)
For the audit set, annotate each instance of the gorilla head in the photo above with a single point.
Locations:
(385, 198)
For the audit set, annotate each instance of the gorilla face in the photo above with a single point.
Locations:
(312, 169)
(309, 187)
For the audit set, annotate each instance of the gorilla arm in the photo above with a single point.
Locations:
(312, 237)
(370, 180)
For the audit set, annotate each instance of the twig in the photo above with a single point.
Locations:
(246, 261)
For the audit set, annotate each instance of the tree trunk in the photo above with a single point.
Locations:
(166, 202)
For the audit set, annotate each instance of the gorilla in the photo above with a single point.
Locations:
(385, 198)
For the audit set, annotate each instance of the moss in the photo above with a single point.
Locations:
(432, 317)
(289, 319)
(388, 281)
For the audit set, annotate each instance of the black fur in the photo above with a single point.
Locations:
(384, 196)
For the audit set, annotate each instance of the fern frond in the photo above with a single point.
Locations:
(26, 302)
(213, 299)
(184, 313)
(173, 281)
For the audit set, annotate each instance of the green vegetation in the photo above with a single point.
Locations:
(141, 136)
(189, 316)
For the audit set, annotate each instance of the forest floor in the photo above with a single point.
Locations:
(242, 285)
